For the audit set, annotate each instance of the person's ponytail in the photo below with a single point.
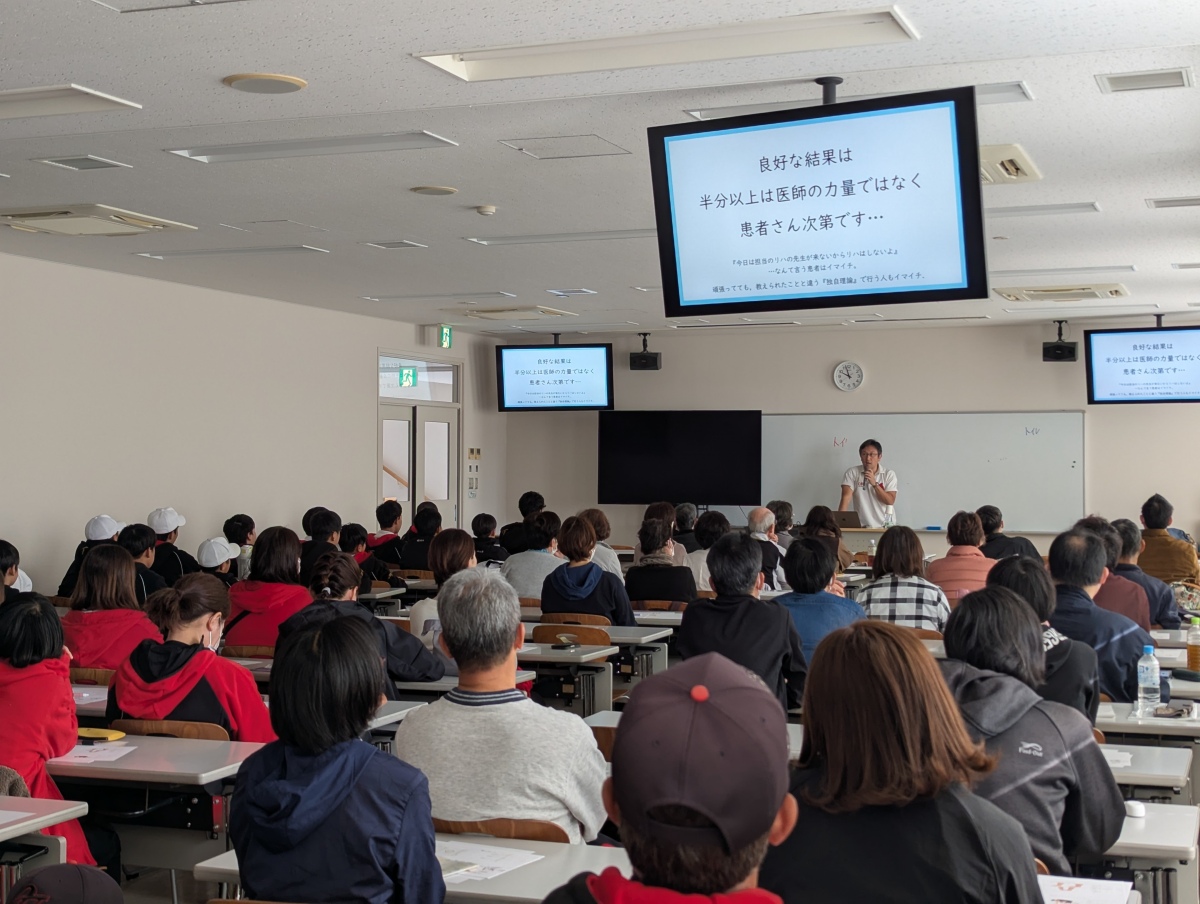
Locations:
(193, 596)
(334, 575)
(163, 607)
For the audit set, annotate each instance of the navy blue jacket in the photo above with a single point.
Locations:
(1118, 642)
(1163, 611)
(588, 589)
(352, 824)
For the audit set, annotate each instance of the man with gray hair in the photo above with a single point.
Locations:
(761, 524)
(685, 526)
(489, 751)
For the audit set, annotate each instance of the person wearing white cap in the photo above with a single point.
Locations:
(216, 557)
(99, 530)
(170, 562)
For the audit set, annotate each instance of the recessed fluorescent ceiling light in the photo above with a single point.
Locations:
(86, 162)
(1064, 271)
(56, 100)
(1185, 266)
(771, 37)
(564, 293)
(313, 147)
(146, 6)
(648, 288)
(561, 148)
(1042, 210)
(434, 297)
(1162, 203)
(1145, 81)
(392, 246)
(1114, 311)
(1000, 93)
(213, 252)
(564, 237)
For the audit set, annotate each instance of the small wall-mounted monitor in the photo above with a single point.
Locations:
(554, 377)
(1143, 365)
(868, 202)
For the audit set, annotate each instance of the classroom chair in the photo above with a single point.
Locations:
(926, 634)
(1105, 698)
(248, 652)
(562, 680)
(606, 737)
(1098, 735)
(380, 585)
(172, 728)
(522, 829)
(1040, 868)
(99, 677)
(862, 558)
(413, 574)
(530, 602)
(575, 618)
(706, 594)
(658, 605)
(60, 602)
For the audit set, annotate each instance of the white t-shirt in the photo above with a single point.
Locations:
(871, 512)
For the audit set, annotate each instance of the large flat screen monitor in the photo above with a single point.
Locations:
(554, 377)
(868, 202)
(1146, 365)
(705, 457)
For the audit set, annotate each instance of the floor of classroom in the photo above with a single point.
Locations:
(153, 886)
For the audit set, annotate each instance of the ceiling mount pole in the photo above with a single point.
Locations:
(829, 85)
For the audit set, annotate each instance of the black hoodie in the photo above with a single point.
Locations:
(1050, 775)
(1071, 675)
(172, 563)
(71, 578)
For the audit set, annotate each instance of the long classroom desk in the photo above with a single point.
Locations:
(595, 673)
(23, 818)
(646, 618)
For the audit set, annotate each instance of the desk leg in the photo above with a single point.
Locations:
(659, 662)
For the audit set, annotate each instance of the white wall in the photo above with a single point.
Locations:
(1131, 451)
(120, 394)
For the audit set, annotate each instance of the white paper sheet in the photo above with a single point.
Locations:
(1161, 635)
(1105, 711)
(487, 861)
(1066, 890)
(7, 816)
(89, 694)
(96, 753)
(1117, 759)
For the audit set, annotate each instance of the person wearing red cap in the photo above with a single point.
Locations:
(699, 789)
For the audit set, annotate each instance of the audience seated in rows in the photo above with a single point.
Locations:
(450, 552)
(240, 531)
(321, 815)
(784, 522)
(995, 544)
(1163, 611)
(820, 524)
(217, 556)
(386, 542)
(353, 540)
(1117, 594)
(487, 750)
(513, 536)
(809, 567)
(414, 555)
(665, 512)
(685, 527)
(579, 585)
(170, 562)
(964, 567)
(658, 574)
(699, 789)
(1071, 673)
(898, 591)
(1077, 566)
(98, 531)
(37, 706)
(604, 556)
(334, 588)
(139, 541)
(527, 570)
(760, 523)
(886, 768)
(1165, 557)
(271, 594)
(1065, 797)
(105, 622)
(182, 677)
(487, 548)
(710, 527)
(324, 531)
(756, 633)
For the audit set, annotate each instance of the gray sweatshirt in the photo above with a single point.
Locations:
(1051, 775)
(528, 570)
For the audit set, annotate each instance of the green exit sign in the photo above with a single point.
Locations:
(407, 376)
(445, 336)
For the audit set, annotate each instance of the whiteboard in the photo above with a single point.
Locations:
(1029, 464)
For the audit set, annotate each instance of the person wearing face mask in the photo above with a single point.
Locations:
(183, 678)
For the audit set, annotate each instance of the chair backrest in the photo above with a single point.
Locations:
(530, 602)
(1098, 735)
(574, 618)
(101, 677)
(1040, 868)
(380, 585)
(523, 829)
(606, 736)
(926, 634)
(248, 652)
(580, 634)
(60, 602)
(414, 574)
(862, 558)
(706, 594)
(658, 605)
(171, 728)
(1105, 698)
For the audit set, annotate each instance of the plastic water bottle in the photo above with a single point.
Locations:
(1149, 693)
(1193, 645)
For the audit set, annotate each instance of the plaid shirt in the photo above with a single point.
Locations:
(913, 602)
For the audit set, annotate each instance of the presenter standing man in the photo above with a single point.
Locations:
(871, 488)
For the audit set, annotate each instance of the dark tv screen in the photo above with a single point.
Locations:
(705, 457)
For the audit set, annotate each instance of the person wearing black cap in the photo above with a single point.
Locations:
(66, 883)
(699, 789)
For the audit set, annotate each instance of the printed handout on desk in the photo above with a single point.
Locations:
(1117, 759)
(1067, 890)
(89, 694)
(254, 665)
(1161, 635)
(1105, 711)
(7, 816)
(97, 753)
(483, 861)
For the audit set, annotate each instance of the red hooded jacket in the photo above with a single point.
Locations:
(173, 680)
(105, 638)
(610, 887)
(267, 607)
(37, 710)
